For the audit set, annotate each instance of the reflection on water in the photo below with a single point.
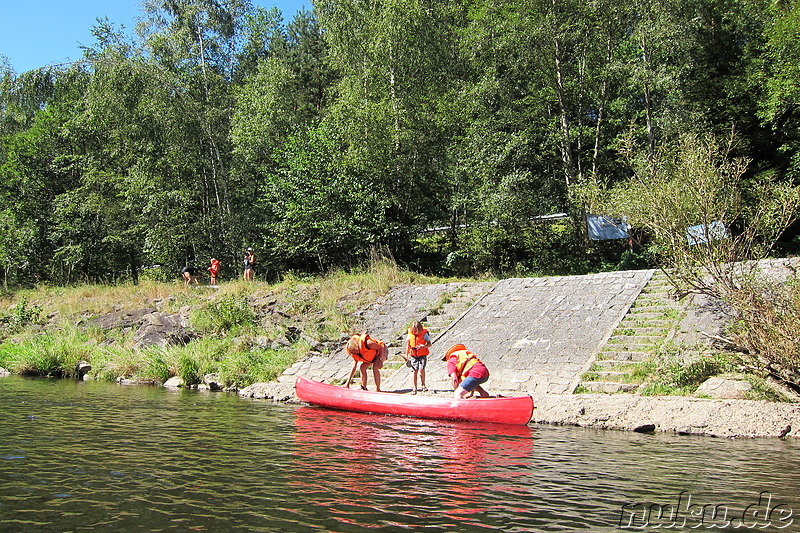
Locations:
(368, 469)
(99, 457)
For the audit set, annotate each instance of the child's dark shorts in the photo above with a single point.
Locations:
(418, 363)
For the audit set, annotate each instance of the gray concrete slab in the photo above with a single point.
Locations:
(536, 333)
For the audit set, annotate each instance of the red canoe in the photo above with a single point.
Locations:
(494, 410)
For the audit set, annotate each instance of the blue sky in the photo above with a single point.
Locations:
(36, 33)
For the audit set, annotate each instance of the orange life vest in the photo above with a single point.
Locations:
(464, 361)
(418, 339)
(365, 354)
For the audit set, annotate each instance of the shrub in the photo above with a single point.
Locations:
(112, 362)
(696, 184)
(21, 315)
(241, 369)
(768, 324)
(231, 312)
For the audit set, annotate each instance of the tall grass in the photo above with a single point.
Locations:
(48, 354)
(230, 313)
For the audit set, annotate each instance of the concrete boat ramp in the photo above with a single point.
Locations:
(540, 336)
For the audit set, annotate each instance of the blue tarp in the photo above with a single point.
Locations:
(701, 233)
(601, 227)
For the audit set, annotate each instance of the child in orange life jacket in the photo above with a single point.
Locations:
(213, 270)
(417, 352)
(366, 352)
(467, 371)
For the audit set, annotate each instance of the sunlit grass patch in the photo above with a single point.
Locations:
(51, 354)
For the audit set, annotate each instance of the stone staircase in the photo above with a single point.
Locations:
(440, 317)
(453, 306)
(648, 325)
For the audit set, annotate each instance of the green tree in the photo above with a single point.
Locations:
(780, 76)
(316, 214)
(395, 61)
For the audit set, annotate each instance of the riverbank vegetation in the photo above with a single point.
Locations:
(462, 137)
(241, 332)
(698, 181)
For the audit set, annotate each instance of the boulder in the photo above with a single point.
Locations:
(212, 381)
(82, 368)
(120, 319)
(162, 329)
(276, 391)
(722, 387)
(262, 342)
(175, 382)
(280, 342)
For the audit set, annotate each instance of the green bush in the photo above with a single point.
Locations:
(188, 370)
(154, 367)
(20, 316)
(112, 362)
(230, 314)
(768, 323)
(241, 369)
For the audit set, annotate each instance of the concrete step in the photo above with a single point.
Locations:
(613, 363)
(608, 387)
(653, 302)
(666, 289)
(643, 340)
(629, 346)
(609, 375)
(630, 322)
(644, 315)
(649, 307)
(661, 289)
(613, 355)
(641, 331)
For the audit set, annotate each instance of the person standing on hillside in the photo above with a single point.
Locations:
(416, 356)
(466, 371)
(366, 352)
(249, 264)
(213, 271)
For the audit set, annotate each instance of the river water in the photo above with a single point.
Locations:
(90, 456)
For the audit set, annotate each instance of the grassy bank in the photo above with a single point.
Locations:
(243, 332)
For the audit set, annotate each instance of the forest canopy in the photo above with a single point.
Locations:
(447, 133)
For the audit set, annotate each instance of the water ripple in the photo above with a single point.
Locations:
(99, 457)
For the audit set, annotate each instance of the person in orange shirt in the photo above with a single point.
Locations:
(366, 352)
(213, 270)
(466, 371)
(416, 356)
